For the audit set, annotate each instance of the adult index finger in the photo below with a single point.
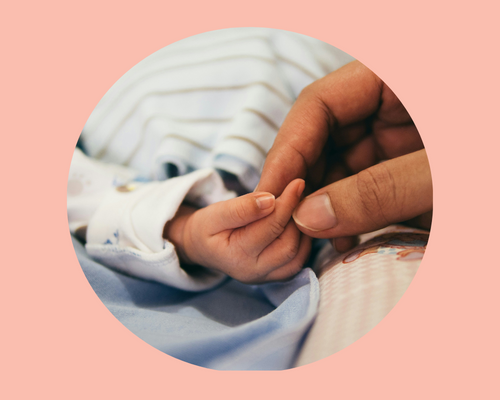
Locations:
(343, 97)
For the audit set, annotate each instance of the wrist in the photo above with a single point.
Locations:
(176, 231)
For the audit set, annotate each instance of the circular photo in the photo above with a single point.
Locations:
(249, 199)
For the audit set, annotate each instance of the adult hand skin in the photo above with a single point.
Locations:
(337, 133)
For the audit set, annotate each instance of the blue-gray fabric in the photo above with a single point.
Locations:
(231, 327)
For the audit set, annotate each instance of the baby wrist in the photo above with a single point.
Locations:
(176, 231)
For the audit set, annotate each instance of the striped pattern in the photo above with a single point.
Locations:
(212, 100)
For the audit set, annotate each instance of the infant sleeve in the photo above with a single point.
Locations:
(88, 183)
(125, 229)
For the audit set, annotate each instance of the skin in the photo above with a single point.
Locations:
(237, 237)
(337, 133)
(334, 137)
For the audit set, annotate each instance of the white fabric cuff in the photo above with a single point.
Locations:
(126, 231)
(89, 181)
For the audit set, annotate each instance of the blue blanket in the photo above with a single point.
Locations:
(231, 327)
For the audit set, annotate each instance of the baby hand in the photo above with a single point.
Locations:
(251, 238)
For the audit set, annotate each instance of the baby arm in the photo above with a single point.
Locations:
(251, 238)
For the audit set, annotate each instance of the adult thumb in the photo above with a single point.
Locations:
(386, 193)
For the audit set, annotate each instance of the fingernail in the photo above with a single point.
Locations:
(316, 213)
(265, 201)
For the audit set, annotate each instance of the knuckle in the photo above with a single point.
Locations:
(238, 212)
(377, 192)
(309, 90)
(313, 96)
(261, 271)
(276, 227)
(290, 250)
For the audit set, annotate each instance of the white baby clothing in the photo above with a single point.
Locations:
(203, 107)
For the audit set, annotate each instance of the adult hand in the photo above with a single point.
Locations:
(335, 136)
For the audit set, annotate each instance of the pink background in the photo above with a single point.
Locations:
(441, 59)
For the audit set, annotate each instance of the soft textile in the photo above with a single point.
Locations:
(231, 327)
(209, 103)
(213, 100)
(124, 219)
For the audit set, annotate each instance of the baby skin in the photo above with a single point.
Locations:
(251, 238)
